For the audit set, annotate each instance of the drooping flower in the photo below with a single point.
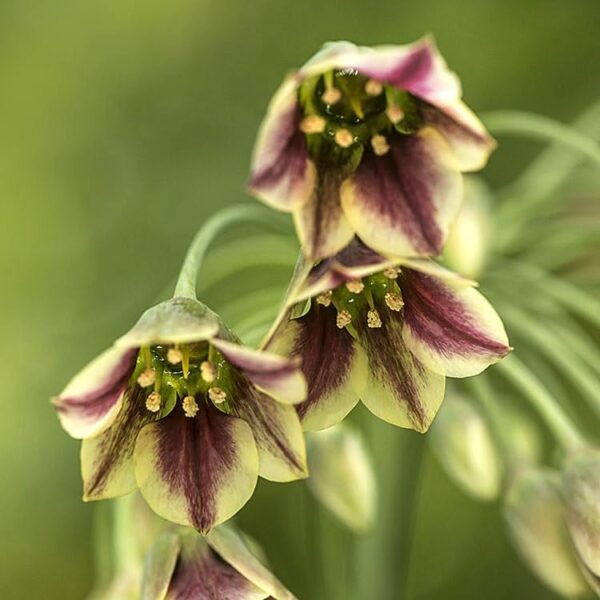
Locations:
(184, 565)
(386, 332)
(370, 141)
(179, 409)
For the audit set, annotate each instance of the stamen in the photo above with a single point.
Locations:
(208, 371)
(355, 287)
(217, 395)
(174, 356)
(344, 138)
(394, 301)
(325, 298)
(373, 87)
(331, 96)
(394, 113)
(380, 145)
(190, 406)
(373, 319)
(357, 107)
(153, 402)
(312, 124)
(185, 361)
(147, 378)
(343, 319)
(391, 272)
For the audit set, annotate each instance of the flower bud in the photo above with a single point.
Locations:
(341, 475)
(534, 515)
(469, 235)
(581, 491)
(463, 444)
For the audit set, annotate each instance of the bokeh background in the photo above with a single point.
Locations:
(123, 124)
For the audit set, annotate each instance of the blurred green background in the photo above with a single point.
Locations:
(123, 125)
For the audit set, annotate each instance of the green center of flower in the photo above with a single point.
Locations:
(356, 301)
(186, 372)
(345, 109)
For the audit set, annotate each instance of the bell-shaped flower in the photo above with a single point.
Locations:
(342, 476)
(386, 332)
(184, 565)
(534, 513)
(180, 410)
(371, 141)
(463, 443)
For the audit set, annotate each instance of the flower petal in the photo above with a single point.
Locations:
(159, 566)
(276, 429)
(201, 575)
(179, 320)
(92, 399)
(107, 459)
(399, 389)
(320, 222)
(282, 174)
(402, 203)
(226, 542)
(451, 328)
(332, 362)
(468, 138)
(196, 471)
(277, 376)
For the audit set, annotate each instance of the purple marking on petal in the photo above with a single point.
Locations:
(436, 316)
(193, 457)
(94, 404)
(399, 190)
(201, 574)
(114, 448)
(326, 354)
(357, 254)
(392, 363)
(262, 415)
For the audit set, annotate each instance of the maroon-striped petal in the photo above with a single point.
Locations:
(322, 227)
(450, 326)
(278, 376)
(399, 389)
(402, 203)
(276, 429)
(465, 133)
(201, 574)
(92, 399)
(107, 459)
(196, 471)
(282, 174)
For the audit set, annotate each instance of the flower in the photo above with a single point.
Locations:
(391, 344)
(370, 141)
(179, 409)
(183, 565)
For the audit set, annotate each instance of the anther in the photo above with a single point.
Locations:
(380, 145)
(355, 287)
(174, 356)
(391, 272)
(147, 378)
(373, 319)
(373, 87)
(217, 395)
(324, 299)
(331, 96)
(394, 301)
(208, 372)
(190, 406)
(343, 318)
(312, 124)
(153, 402)
(344, 138)
(394, 113)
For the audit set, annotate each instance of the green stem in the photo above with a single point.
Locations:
(557, 421)
(186, 282)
